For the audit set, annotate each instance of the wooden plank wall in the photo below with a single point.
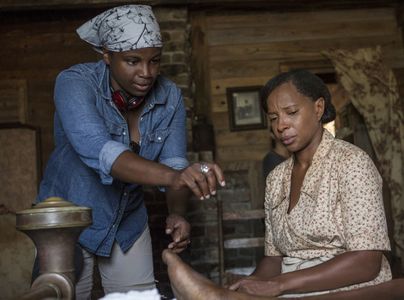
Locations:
(36, 47)
(246, 48)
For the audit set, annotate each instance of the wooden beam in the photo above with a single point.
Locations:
(244, 243)
(18, 5)
(244, 215)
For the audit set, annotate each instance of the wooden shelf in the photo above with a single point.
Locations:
(244, 215)
(244, 243)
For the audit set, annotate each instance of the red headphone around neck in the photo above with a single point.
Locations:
(125, 103)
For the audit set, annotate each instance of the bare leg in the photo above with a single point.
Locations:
(190, 285)
(390, 290)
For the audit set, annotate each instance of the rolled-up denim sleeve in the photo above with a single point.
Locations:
(108, 154)
(75, 102)
(177, 163)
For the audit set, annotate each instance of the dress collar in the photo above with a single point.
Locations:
(308, 187)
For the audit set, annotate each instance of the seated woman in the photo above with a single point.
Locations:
(325, 223)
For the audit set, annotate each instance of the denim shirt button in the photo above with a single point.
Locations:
(151, 105)
(124, 133)
(141, 118)
(159, 138)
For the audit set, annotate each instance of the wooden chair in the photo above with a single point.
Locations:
(228, 276)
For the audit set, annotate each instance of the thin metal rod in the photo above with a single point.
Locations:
(220, 239)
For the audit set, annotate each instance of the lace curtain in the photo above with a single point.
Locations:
(373, 91)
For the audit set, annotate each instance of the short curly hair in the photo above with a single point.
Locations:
(308, 84)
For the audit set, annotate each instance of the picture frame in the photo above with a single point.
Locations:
(245, 112)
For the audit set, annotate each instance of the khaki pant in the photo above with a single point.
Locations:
(122, 272)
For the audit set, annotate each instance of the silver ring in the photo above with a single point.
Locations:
(204, 168)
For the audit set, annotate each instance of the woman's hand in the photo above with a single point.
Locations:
(200, 178)
(252, 285)
(180, 230)
(236, 284)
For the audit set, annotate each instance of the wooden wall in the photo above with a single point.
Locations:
(246, 48)
(36, 47)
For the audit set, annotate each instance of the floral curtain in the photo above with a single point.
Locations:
(373, 91)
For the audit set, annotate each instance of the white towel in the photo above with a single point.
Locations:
(134, 295)
(290, 264)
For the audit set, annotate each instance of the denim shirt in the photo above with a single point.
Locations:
(90, 133)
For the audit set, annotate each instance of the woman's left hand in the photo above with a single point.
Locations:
(180, 230)
(253, 286)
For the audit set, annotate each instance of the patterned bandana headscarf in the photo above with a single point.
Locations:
(122, 28)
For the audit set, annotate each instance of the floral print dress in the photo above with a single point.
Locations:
(340, 209)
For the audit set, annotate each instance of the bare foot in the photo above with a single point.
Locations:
(185, 282)
(190, 285)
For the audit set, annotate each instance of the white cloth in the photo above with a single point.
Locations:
(134, 295)
(122, 28)
(290, 264)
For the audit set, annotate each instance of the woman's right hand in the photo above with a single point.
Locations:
(201, 178)
(234, 286)
(256, 286)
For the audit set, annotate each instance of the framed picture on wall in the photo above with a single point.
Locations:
(245, 112)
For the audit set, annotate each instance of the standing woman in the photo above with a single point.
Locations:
(118, 125)
(325, 224)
